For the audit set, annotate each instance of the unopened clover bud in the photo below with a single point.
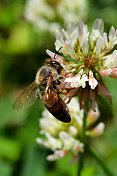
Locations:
(97, 131)
(92, 116)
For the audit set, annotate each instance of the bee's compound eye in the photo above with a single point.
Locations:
(45, 72)
(42, 74)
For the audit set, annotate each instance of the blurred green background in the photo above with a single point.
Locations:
(22, 52)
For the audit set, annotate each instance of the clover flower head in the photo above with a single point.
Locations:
(87, 57)
(43, 14)
(63, 138)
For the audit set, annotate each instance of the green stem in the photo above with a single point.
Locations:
(98, 159)
(81, 155)
(80, 163)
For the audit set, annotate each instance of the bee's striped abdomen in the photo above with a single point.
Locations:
(60, 111)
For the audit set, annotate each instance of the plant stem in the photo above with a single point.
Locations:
(98, 159)
(80, 163)
(81, 155)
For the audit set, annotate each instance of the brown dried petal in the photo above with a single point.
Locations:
(103, 90)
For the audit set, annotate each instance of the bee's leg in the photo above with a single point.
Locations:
(49, 85)
(60, 77)
(50, 97)
(57, 81)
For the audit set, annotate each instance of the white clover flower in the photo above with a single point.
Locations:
(92, 81)
(86, 58)
(47, 14)
(63, 138)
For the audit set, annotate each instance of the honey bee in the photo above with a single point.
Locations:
(47, 77)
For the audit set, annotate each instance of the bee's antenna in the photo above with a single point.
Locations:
(57, 51)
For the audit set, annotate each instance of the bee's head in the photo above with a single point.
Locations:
(54, 64)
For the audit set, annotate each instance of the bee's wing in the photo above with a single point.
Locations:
(27, 97)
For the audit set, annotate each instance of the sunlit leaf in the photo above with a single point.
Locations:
(9, 149)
